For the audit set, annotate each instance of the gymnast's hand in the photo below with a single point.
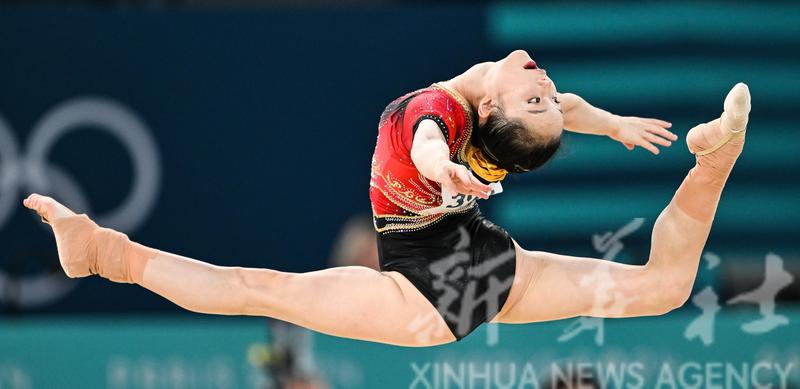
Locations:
(458, 179)
(431, 156)
(633, 131)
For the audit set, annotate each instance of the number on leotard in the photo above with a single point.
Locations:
(461, 199)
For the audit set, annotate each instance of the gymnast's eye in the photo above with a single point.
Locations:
(535, 100)
(555, 99)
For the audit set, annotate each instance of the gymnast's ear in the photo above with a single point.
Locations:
(485, 108)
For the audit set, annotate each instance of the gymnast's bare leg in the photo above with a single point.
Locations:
(351, 302)
(550, 286)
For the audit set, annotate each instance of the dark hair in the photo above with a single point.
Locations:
(511, 146)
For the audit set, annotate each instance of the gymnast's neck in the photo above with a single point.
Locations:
(471, 84)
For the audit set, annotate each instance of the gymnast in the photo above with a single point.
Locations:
(445, 269)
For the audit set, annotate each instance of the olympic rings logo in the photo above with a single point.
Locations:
(32, 172)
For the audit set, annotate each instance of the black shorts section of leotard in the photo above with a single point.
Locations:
(464, 265)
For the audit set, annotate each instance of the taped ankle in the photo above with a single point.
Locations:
(84, 248)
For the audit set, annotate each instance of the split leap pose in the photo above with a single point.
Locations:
(445, 268)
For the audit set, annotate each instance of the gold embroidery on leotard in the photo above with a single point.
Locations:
(405, 197)
(466, 135)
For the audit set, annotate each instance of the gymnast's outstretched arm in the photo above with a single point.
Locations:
(631, 131)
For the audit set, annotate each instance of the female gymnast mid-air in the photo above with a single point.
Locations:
(445, 269)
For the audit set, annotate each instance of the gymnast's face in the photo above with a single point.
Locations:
(525, 94)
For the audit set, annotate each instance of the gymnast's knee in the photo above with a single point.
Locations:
(264, 290)
(669, 292)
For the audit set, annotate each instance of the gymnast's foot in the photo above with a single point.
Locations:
(84, 248)
(74, 235)
(718, 143)
(47, 208)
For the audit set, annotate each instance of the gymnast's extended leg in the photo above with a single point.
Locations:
(351, 302)
(550, 286)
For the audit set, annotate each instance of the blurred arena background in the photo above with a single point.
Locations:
(241, 133)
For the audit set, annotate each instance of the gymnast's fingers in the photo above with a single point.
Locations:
(643, 143)
(462, 174)
(481, 190)
(478, 193)
(657, 140)
(460, 188)
(657, 122)
(662, 132)
(451, 187)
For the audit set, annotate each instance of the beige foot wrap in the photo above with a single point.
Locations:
(716, 145)
(732, 124)
(84, 248)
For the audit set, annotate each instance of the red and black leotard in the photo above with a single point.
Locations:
(402, 199)
(460, 261)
